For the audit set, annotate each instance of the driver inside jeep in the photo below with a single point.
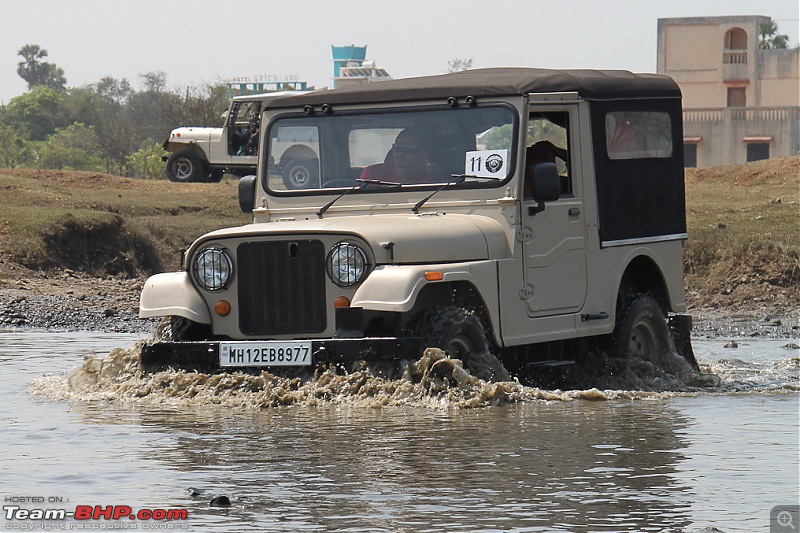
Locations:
(406, 162)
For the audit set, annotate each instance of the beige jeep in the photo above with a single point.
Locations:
(204, 154)
(536, 215)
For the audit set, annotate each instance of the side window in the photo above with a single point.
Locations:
(548, 142)
(638, 134)
(370, 146)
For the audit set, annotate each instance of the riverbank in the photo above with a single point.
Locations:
(75, 248)
(67, 300)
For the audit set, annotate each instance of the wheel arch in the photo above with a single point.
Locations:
(643, 275)
(172, 294)
(298, 151)
(404, 289)
(459, 293)
(192, 147)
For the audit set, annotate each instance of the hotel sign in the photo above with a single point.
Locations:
(266, 78)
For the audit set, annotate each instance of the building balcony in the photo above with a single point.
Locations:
(734, 57)
(725, 114)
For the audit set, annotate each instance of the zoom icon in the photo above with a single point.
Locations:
(784, 519)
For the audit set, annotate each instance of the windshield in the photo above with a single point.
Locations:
(416, 147)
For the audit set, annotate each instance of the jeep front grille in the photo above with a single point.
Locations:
(281, 287)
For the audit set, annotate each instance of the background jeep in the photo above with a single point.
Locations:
(523, 219)
(204, 154)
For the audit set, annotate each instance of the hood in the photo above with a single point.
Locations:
(189, 134)
(436, 238)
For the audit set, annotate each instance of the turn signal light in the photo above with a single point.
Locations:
(340, 302)
(434, 276)
(222, 307)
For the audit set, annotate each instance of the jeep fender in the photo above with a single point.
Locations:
(191, 146)
(395, 288)
(172, 294)
(644, 270)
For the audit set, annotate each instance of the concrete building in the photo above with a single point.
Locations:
(741, 103)
(351, 68)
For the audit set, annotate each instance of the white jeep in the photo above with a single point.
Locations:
(204, 154)
(534, 215)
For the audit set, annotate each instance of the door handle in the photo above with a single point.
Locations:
(574, 211)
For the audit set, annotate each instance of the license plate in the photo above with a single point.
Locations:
(265, 353)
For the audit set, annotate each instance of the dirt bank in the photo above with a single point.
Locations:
(68, 300)
(742, 262)
(72, 301)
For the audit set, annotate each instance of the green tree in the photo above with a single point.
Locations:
(37, 72)
(770, 38)
(499, 138)
(113, 121)
(74, 147)
(146, 162)
(14, 151)
(36, 114)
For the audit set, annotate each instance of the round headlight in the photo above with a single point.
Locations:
(347, 264)
(212, 268)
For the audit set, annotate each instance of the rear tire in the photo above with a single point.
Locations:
(641, 332)
(185, 166)
(215, 176)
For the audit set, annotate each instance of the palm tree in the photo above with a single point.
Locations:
(770, 38)
(37, 72)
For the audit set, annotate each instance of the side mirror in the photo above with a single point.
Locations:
(546, 182)
(247, 193)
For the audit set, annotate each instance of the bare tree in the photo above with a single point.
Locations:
(456, 65)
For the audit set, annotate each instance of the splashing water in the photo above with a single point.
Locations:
(434, 381)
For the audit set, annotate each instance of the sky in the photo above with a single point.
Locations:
(203, 41)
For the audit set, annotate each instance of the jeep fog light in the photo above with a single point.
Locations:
(347, 264)
(212, 268)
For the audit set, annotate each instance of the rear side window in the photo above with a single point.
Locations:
(638, 134)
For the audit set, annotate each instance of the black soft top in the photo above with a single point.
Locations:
(507, 81)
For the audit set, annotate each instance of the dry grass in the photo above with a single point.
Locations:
(744, 232)
(57, 218)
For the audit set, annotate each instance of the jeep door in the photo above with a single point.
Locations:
(553, 238)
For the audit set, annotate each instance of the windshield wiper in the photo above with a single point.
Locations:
(456, 179)
(362, 184)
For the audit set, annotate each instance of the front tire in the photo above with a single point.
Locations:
(185, 166)
(461, 335)
(178, 328)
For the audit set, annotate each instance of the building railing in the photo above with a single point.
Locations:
(722, 114)
(734, 58)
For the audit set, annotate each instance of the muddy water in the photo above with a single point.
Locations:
(430, 449)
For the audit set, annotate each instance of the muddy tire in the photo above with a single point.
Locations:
(300, 174)
(641, 332)
(185, 166)
(183, 329)
(460, 334)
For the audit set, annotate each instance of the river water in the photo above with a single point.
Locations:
(363, 452)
